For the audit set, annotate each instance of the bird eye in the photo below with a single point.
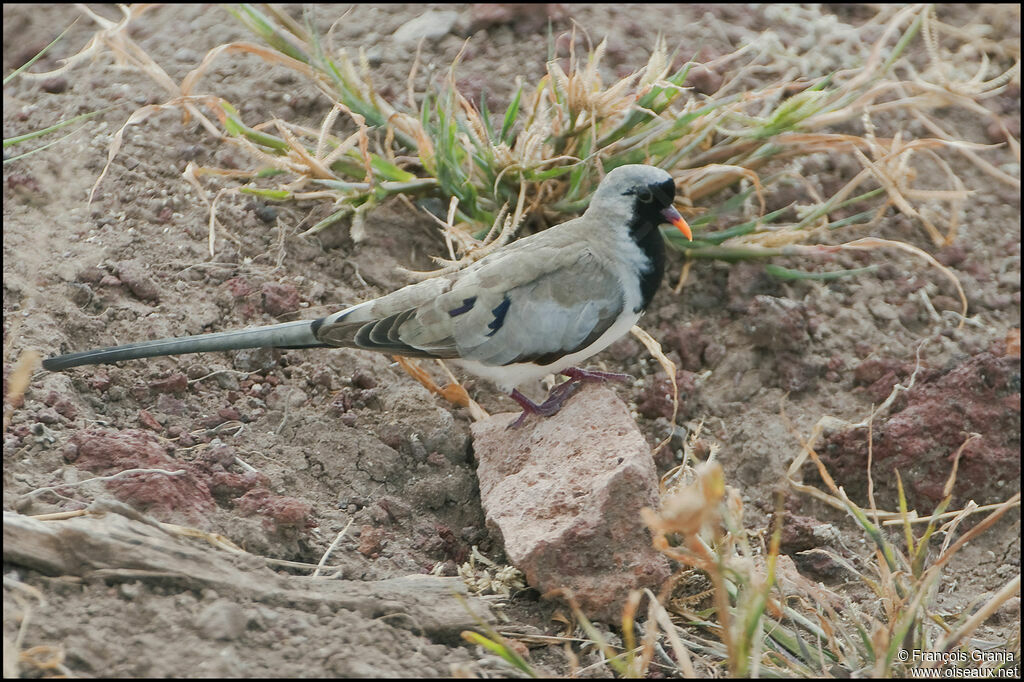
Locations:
(645, 195)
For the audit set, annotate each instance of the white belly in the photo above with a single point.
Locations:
(507, 377)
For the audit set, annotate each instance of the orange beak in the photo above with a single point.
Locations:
(671, 215)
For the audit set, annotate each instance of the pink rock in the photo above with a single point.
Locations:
(175, 383)
(280, 299)
(279, 512)
(138, 282)
(927, 426)
(149, 421)
(105, 452)
(565, 494)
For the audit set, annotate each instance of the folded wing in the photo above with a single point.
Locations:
(527, 310)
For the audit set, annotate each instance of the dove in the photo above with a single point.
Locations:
(540, 305)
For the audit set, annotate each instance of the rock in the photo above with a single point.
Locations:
(802, 533)
(47, 415)
(239, 287)
(524, 18)
(371, 541)
(796, 372)
(106, 452)
(363, 379)
(928, 425)
(65, 408)
(704, 80)
(286, 398)
(777, 324)
(279, 299)
(223, 619)
(430, 25)
(100, 381)
(690, 342)
(878, 376)
(883, 311)
(138, 282)
(565, 493)
(149, 421)
(169, 405)
(279, 513)
(656, 399)
(175, 383)
(1009, 612)
(55, 85)
(254, 359)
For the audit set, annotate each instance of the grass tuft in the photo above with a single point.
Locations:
(545, 151)
(765, 619)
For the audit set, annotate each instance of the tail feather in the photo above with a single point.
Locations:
(301, 334)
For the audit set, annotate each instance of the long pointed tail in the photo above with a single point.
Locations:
(300, 334)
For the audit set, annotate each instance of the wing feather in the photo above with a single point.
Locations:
(539, 300)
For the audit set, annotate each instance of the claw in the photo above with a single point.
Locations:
(560, 393)
(550, 407)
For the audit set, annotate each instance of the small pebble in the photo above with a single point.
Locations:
(55, 85)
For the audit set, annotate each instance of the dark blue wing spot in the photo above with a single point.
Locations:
(467, 305)
(499, 316)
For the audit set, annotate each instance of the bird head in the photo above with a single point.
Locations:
(640, 195)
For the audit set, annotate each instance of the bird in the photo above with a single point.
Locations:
(537, 306)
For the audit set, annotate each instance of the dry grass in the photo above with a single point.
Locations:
(18, 382)
(768, 620)
(544, 155)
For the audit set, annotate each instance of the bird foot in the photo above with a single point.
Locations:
(560, 393)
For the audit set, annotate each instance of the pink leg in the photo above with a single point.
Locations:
(559, 394)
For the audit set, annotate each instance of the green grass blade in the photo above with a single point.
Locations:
(831, 205)
(269, 172)
(344, 211)
(791, 112)
(511, 114)
(904, 40)
(876, 535)
(388, 170)
(823, 83)
(908, 533)
(501, 650)
(56, 126)
(234, 125)
(60, 139)
(649, 103)
(273, 194)
(549, 174)
(852, 220)
(485, 116)
(14, 74)
(271, 33)
(731, 204)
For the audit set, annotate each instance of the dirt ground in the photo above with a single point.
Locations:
(340, 436)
